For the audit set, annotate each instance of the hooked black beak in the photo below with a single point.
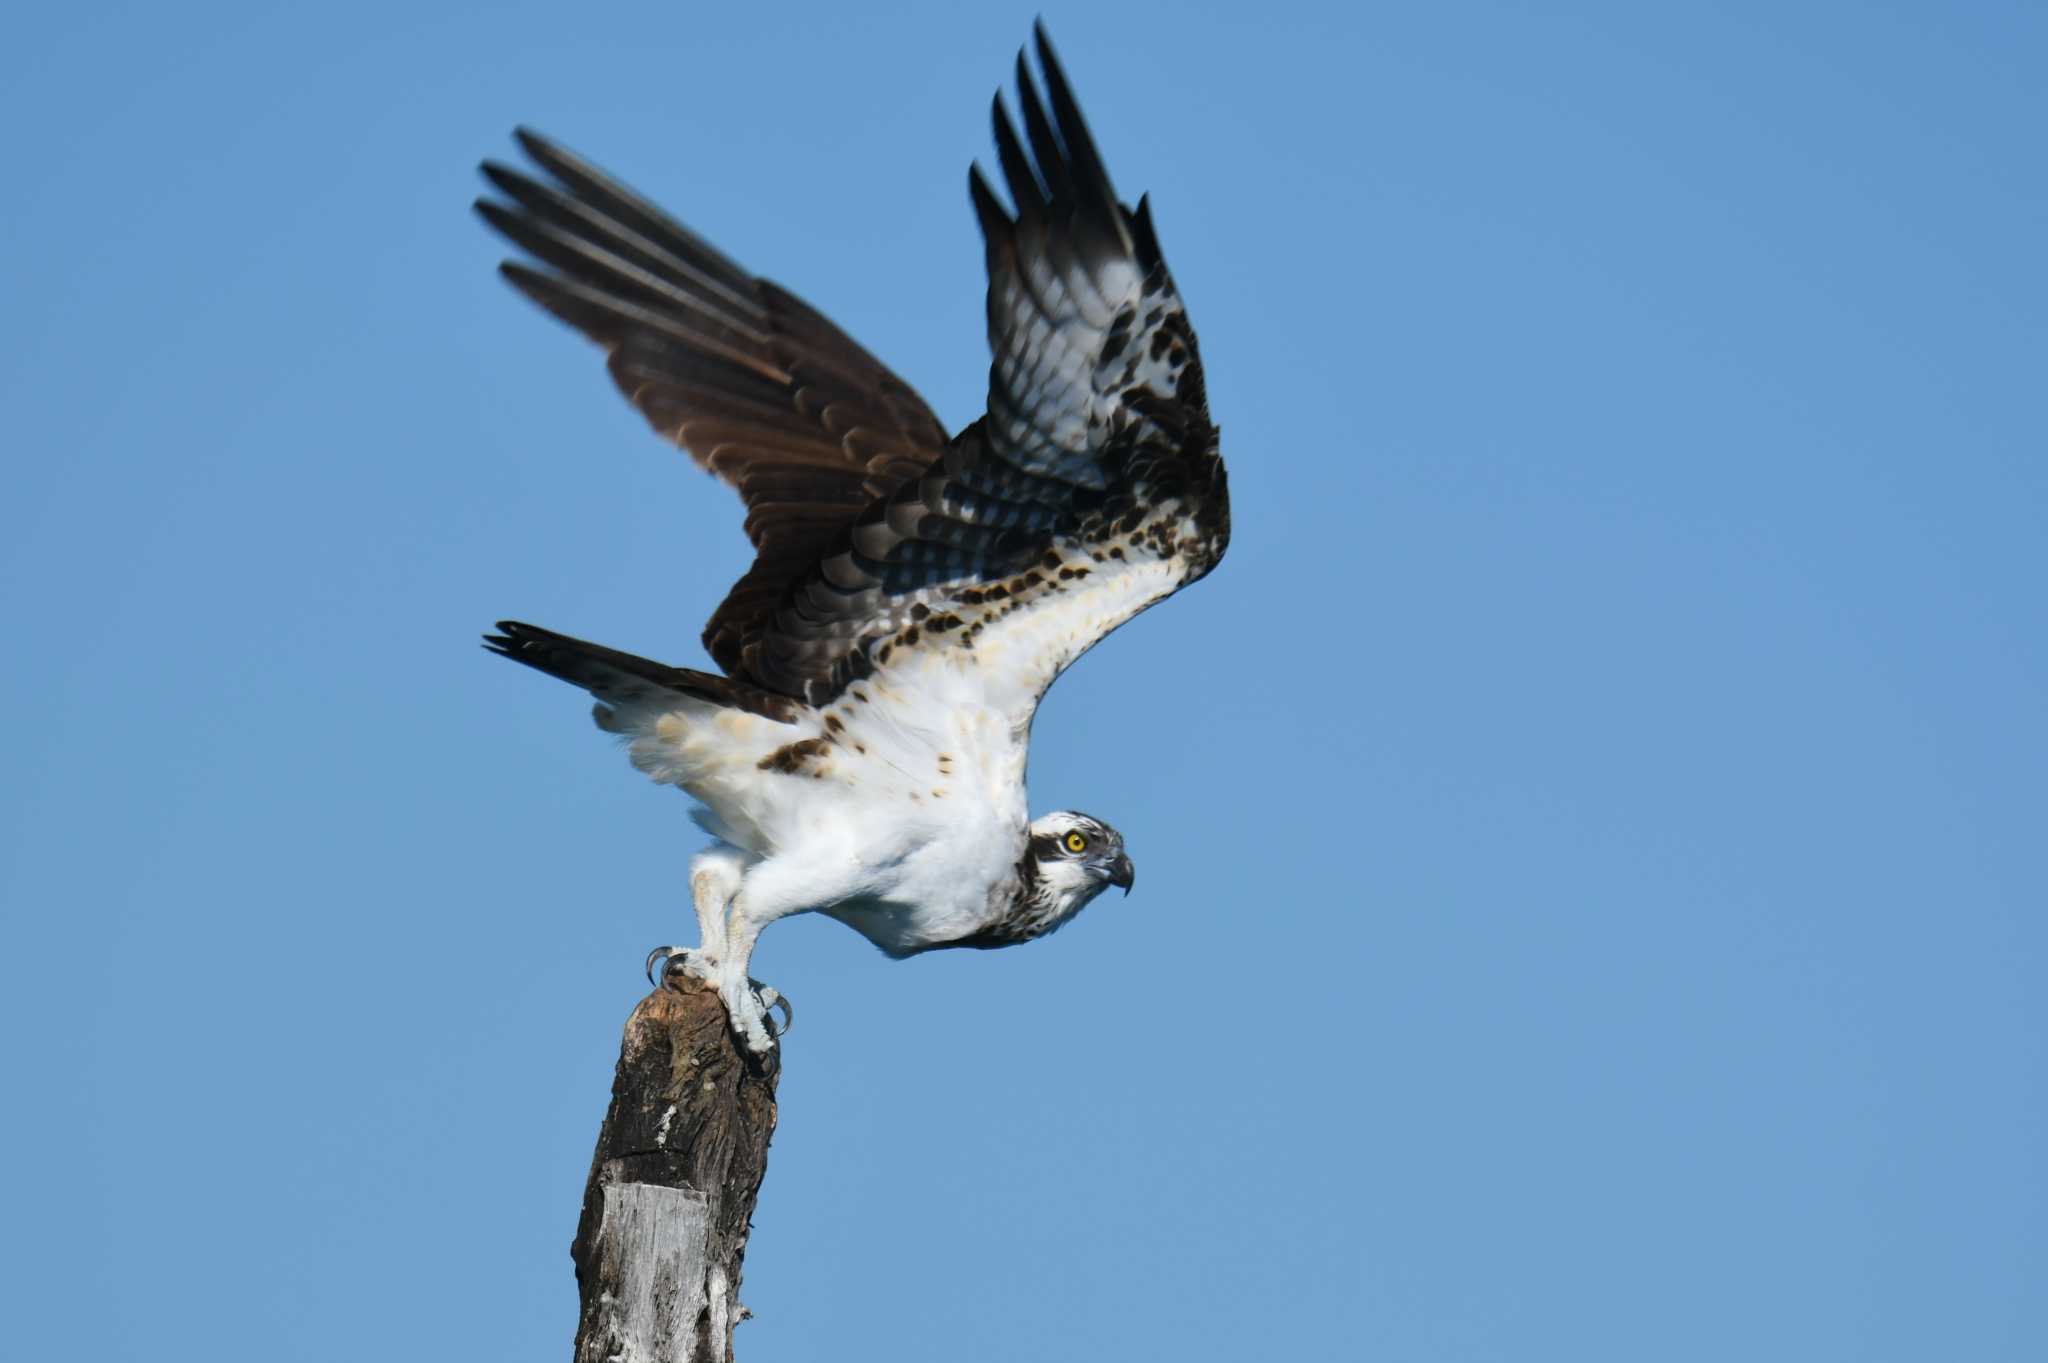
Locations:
(1121, 872)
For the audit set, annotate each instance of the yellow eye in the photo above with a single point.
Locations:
(1076, 842)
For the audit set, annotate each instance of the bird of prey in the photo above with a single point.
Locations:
(913, 595)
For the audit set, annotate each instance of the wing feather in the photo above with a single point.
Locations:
(760, 388)
(1091, 490)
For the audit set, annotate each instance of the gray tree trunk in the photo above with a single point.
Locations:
(679, 1161)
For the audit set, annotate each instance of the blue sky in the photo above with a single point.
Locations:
(1590, 826)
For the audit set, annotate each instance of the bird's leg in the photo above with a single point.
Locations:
(746, 1000)
(715, 878)
(746, 1007)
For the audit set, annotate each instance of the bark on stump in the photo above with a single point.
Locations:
(679, 1161)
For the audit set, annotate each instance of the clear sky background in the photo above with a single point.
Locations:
(1591, 826)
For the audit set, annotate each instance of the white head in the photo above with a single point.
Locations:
(1072, 858)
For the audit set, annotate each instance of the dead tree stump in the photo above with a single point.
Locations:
(679, 1161)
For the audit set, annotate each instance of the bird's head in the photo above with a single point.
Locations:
(1076, 858)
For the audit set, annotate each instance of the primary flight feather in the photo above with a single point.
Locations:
(912, 596)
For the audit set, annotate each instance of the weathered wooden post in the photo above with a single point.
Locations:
(679, 1161)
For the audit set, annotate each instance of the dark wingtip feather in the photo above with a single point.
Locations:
(1144, 238)
(566, 166)
(502, 219)
(627, 207)
(1025, 189)
(509, 641)
(557, 296)
(1073, 129)
(996, 223)
(510, 182)
(534, 144)
(1046, 151)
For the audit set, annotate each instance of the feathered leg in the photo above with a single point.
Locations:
(715, 877)
(768, 893)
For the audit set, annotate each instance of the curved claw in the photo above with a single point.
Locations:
(771, 997)
(662, 954)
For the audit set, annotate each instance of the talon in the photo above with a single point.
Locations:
(662, 954)
(771, 997)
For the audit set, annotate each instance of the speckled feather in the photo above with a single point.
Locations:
(913, 597)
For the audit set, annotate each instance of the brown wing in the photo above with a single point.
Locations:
(1093, 488)
(759, 387)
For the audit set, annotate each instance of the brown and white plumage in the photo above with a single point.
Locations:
(912, 596)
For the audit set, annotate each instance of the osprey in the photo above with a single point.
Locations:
(913, 596)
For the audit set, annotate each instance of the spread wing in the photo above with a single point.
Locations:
(760, 388)
(1091, 490)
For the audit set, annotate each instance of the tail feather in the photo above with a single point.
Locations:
(620, 679)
